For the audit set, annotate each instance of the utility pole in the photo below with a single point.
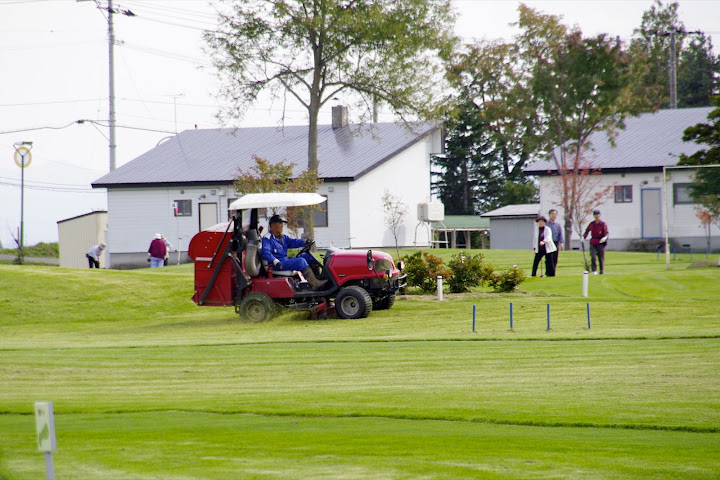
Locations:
(673, 72)
(111, 75)
(111, 70)
(672, 61)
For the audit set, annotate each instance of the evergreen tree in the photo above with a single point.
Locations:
(698, 76)
(705, 189)
(697, 68)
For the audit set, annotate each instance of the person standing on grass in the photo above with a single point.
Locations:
(157, 252)
(598, 231)
(93, 255)
(168, 249)
(557, 233)
(543, 246)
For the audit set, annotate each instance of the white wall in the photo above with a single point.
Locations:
(407, 176)
(625, 219)
(78, 235)
(337, 233)
(135, 215)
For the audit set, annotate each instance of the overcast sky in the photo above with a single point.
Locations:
(54, 58)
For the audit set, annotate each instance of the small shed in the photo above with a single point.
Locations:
(511, 227)
(78, 234)
(453, 225)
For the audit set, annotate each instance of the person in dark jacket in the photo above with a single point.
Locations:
(274, 251)
(157, 251)
(598, 231)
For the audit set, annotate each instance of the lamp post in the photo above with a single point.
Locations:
(23, 158)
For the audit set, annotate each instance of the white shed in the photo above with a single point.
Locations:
(512, 226)
(78, 234)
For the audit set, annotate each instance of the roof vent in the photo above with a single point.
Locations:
(339, 116)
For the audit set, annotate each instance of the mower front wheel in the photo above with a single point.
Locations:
(257, 307)
(353, 302)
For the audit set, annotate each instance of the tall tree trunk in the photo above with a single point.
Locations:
(313, 163)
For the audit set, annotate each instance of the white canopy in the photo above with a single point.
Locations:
(272, 200)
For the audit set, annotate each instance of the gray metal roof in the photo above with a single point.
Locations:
(214, 155)
(651, 140)
(521, 210)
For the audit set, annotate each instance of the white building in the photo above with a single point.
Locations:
(186, 184)
(633, 169)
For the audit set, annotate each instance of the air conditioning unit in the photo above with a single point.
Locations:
(431, 212)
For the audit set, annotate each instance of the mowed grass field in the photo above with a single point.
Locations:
(146, 384)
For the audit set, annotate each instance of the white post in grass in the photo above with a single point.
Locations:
(440, 289)
(585, 283)
(45, 429)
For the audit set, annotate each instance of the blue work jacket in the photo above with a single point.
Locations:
(273, 248)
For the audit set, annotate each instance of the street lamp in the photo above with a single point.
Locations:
(23, 158)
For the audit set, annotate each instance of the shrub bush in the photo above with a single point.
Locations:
(467, 271)
(508, 280)
(422, 270)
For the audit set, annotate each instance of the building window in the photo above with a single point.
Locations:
(183, 208)
(623, 194)
(681, 194)
(321, 214)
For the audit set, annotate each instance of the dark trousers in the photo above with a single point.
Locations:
(549, 263)
(92, 262)
(554, 256)
(599, 252)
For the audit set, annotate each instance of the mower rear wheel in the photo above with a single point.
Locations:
(257, 307)
(353, 302)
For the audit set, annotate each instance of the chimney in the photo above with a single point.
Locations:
(339, 116)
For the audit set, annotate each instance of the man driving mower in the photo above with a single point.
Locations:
(274, 251)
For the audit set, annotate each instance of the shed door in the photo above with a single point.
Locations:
(651, 219)
(208, 215)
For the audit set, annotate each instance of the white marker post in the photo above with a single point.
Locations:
(586, 276)
(45, 428)
(439, 289)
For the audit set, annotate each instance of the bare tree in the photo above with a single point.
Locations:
(395, 210)
(580, 188)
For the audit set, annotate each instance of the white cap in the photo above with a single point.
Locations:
(158, 236)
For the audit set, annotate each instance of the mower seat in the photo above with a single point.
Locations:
(282, 273)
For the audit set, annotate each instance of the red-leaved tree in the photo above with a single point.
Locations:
(580, 189)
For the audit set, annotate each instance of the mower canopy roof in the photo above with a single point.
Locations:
(271, 200)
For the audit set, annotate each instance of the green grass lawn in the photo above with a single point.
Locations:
(148, 385)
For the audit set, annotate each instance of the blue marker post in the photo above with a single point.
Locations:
(548, 315)
(588, 312)
(473, 318)
(511, 316)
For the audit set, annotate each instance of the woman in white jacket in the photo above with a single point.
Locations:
(543, 245)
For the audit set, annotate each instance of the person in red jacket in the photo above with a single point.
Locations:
(598, 231)
(157, 252)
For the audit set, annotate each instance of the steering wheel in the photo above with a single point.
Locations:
(306, 248)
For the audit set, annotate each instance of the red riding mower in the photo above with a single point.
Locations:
(229, 271)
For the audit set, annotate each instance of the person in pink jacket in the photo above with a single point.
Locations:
(543, 245)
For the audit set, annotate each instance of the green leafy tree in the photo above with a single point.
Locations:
(386, 51)
(490, 134)
(264, 177)
(705, 189)
(581, 86)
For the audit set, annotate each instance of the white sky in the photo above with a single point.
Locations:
(54, 61)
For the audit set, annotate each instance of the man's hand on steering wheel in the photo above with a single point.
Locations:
(306, 248)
